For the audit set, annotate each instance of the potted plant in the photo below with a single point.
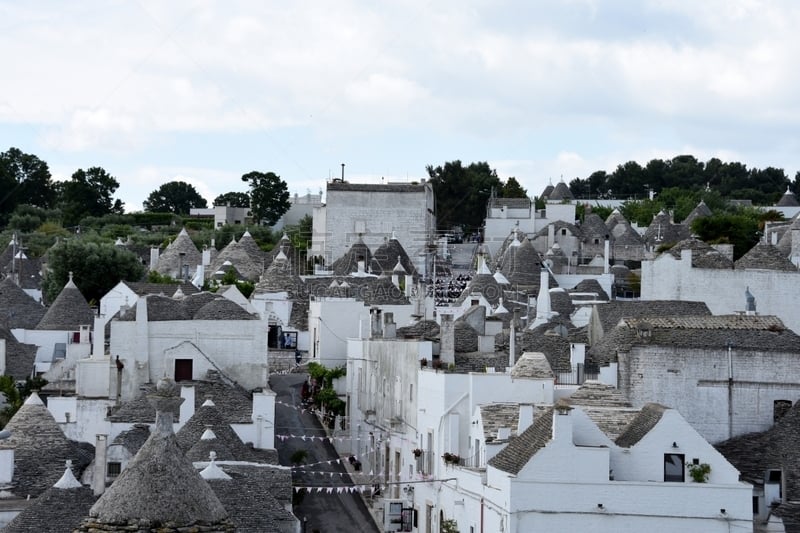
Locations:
(699, 471)
(417, 452)
(423, 362)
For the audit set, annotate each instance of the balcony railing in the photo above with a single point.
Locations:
(579, 374)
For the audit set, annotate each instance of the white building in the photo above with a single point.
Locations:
(770, 279)
(373, 212)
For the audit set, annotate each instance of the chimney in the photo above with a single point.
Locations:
(100, 452)
(577, 353)
(447, 334)
(525, 417)
(750, 308)
(153, 258)
(543, 310)
(794, 256)
(512, 341)
(375, 321)
(389, 327)
(551, 235)
(607, 256)
(6, 465)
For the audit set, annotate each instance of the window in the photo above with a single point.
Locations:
(780, 408)
(183, 369)
(114, 469)
(563, 231)
(674, 469)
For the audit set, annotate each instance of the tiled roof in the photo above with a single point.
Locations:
(700, 211)
(593, 227)
(280, 276)
(754, 333)
(522, 266)
(532, 365)
(134, 438)
(662, 231)
(703, 255)
(41, 449)
(561, 303)
(232, 401)
(257, 497)
(560, 192)
(625, 235)
(641, 425)
(484, 284)
(615, 218)
(777, 449)
(597, 394)
(248, 267)
(422, 329)
(199, 306)
(169, 261)
(19, 356)
(499, 415)
(591, 285)
(519, 451)
(385, 258)
(210, 417)
(69, 311)
(164, 289)
(605, 406)
(555, 347)
(55, 511)
(765, 257)
(788, 200)
(348, 263)
(223, 309)
(612, 312)
(159, 485)
(27, 271)
(382, 291)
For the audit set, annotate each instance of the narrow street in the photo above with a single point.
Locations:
(319, 511)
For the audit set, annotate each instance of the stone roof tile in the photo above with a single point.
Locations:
(641, 425)
(519, 451)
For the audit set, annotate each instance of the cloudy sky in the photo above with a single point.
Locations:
(204, 91)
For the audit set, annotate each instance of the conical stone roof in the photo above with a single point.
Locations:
(765, 257)
(17, 308)
(169, 262)
(348, 263)
(560, 192)
(40, 449)
(521, 265)
(238, 256)
(160, 487)
(700, 211)
(788, 199)
(386, 257)
(280, 276)
(68, 312)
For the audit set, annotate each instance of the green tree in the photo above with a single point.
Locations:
(269, 196)
(174, 197)
(512, 189)
(233, 199)
(97, 267)
(461, 193)
(89, 193)
(740, 229)
(24, 179)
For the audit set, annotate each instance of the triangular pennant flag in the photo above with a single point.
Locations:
(330, 490)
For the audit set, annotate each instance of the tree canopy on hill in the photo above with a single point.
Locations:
(731, 180)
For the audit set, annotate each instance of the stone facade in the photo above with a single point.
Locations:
(373, 211)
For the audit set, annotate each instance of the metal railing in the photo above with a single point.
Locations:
(579, 374)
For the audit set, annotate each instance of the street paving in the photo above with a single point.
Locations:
(318, 511)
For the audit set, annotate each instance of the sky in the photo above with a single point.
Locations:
(204, 92)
